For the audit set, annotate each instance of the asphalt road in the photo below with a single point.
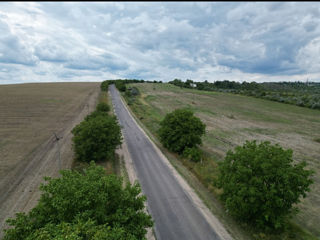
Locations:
(175, 215)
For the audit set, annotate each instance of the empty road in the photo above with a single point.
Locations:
(174, 213)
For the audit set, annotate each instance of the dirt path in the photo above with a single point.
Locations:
(19, 189)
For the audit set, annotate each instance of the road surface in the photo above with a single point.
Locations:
(174, 213)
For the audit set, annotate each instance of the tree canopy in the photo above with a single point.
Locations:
(79, 206)
(97, 137)
(261, 183)
(180, 129)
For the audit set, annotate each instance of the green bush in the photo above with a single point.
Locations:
(260, 184)
(120, 86)
(180, 129)
(96, 138)
(103, 107)
(95, 114)
(193, 154)
(78, 206)
(104, 86)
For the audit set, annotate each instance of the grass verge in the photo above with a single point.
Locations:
(148, 113)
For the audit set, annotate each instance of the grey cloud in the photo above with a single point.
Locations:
(85, 61)
(12, 50)
(156, 39)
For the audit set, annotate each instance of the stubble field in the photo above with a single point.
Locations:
(30, 114)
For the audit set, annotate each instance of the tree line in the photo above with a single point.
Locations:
(295, 93)
(121, 83)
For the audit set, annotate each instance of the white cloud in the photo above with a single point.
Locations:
(73, 41)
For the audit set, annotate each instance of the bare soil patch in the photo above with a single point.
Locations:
(29, 115)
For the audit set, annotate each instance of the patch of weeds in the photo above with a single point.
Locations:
(231, 116)
(317, 140)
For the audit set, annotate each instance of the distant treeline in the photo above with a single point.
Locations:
(121, 83)
(296, 93)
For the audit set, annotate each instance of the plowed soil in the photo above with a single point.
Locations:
(30, 114)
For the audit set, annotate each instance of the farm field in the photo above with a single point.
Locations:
(233, 119)
(29, 116)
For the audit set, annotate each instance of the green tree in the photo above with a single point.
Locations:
(103, 107)
(96, 138)
(79, 206)
(260, 184)
(120, 85)
(180, 129)
(194, 154)
(104, 86)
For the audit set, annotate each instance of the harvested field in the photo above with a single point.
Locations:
(231, 120)
(29, 116)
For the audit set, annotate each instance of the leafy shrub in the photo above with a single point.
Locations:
(104, 86)
(84, 206)
(260, 184)
(180, 129)
(96, 138)
(193, 154)
(95, 114)
(135, 91)
(120, 86)
(103, 107)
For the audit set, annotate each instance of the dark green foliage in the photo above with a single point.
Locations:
(97, 137)
(260, 184)
(94, 114)
(296, 93)
(193, 154)
(103, 107)
(132, 92)
(84, 206)
(104, 86)
(120, 86)
(135, 91)
(180, 129)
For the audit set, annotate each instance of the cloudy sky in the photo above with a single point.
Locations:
(74, 41)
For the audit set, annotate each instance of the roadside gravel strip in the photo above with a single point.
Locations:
(175, 207)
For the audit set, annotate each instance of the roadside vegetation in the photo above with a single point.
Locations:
(231, 120)
(260, 184)
(86, 202)
(97, 137)
(181, 132)
(295, 93)
(89, 205)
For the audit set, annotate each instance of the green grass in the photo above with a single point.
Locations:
(232, 119)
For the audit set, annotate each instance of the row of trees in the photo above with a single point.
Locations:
(120, 83)
(295, 93)
(260, 182)
(89, 204)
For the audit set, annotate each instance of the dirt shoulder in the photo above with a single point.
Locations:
(19, 188)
